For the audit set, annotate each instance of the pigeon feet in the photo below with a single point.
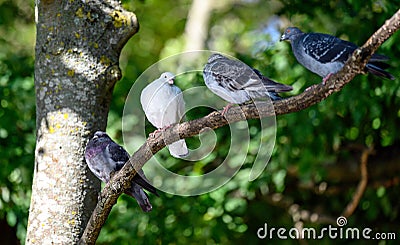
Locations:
(226, 108)
(153, 134)
(326, 78)
(323, 82)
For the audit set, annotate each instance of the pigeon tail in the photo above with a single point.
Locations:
(272, 86)
(141, 197)
(378, 71)
(378, 57)
(178, 149)
(143, 182)
(274, 96)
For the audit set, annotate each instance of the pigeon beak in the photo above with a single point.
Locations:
(283, 38)
(171, 81)
(95, 136)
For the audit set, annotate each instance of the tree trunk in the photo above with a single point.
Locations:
(78, 45)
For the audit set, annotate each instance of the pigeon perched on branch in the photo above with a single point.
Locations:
(105, 157)
(163, 104)
(236, 82)
(325, 55)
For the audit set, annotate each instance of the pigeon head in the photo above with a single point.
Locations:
(168, 77)
(291, 33)
(215, 57)
(100, 134)
(101, 137)
(97, 144)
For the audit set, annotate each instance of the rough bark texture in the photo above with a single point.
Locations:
(355, 65)
(77, 50)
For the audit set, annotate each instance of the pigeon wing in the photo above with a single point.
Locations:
(181, 103)
(119, 155)
(233, 75)
(141, 180)
(271, 85)
(325, 48)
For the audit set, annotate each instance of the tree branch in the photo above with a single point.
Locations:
(355, 65)
(362, 185)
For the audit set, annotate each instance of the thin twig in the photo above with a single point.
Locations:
(351, 206)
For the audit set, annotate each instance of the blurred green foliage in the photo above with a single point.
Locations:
(309, 143)
(17, 112)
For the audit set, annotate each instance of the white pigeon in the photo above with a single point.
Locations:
(163, 104)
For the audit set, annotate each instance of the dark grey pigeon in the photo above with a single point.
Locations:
(236, 82)
(325, 55)
(105, 157)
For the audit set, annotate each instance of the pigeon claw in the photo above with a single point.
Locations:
(159, 130)
(153, 134)
(226, 108)
(326, 78)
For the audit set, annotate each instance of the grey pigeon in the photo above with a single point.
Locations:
(105, 157)
(163, 104)
(325, 55)
(236, 82)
